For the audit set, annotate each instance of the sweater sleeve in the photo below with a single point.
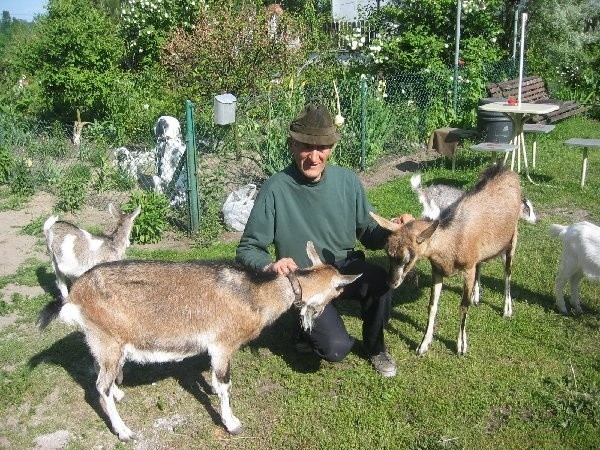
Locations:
(253, 249)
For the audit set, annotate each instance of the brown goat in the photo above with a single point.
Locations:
(157, 311)
(478, 227)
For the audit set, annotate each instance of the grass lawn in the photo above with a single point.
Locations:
(531, 381)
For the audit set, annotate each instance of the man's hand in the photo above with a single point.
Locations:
(282, 267)
(403, 219)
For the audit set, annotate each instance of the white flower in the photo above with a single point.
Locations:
(339, 120)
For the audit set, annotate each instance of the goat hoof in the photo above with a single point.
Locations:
(128, 436)
(236, 430)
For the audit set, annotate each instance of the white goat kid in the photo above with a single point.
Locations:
(481, 225)
(186, 308)
(580, 258)
(73, 250)
(437, 197)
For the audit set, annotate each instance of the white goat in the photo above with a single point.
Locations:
(157, 311)
(580, 258)
(481, 225)
(437, 197)
(72, 250)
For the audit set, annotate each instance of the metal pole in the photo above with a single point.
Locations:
(515, 32)
(456, 52)
(363, 123)
(192, 182)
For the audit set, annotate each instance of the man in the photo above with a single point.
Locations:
(310, 200)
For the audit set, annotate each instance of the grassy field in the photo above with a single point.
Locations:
(531, 381)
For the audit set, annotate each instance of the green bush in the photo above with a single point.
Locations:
(149, 226)
(564, 47)
(72, 188)
(237, 55)
(21, 179)
(7, 162)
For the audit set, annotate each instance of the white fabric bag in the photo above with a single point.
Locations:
(238, 205)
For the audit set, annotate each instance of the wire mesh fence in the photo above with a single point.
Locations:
(381, 115)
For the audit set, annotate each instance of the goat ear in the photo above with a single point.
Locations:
(344, 280)
(387, 224)
(312, 254)
(137, 211)
(427, 232)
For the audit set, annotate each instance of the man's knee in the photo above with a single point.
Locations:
(335, 349)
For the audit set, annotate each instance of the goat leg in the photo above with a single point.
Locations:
(559, 288)
(574, 299)
(221, 383)
(108, 369)
(436, 289)
(469, 284)
(476, 295)
(510, 254)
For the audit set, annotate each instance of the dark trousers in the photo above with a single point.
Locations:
(329, 337)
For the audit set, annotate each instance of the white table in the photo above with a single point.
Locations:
(585, 143)
(518, 115)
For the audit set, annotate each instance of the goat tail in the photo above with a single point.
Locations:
(415, 182)
(49, 313)
(556, 230)
(49, 222)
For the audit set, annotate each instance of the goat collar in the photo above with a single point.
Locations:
(295, 286)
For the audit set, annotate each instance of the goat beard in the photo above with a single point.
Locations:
(308, 314)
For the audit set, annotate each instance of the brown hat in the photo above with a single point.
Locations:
(314, 126)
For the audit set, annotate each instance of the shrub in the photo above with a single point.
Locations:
(6, 164)
(149, 226)
(229, 50)
(21, 178)
(147, 24)
(72, 188)
(564, 47)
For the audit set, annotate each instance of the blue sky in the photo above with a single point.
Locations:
(23, 9)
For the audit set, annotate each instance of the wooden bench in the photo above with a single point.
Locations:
(533, 90)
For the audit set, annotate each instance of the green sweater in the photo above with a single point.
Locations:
(289, 211)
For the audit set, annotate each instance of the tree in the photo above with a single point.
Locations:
(77, 62)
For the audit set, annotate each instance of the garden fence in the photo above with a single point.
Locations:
(382, 115)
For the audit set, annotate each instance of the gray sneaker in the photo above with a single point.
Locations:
(384, 364)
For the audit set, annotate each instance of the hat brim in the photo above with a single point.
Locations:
(328, 139)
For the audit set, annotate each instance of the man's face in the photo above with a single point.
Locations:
(310, 159)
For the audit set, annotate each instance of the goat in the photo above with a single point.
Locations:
(185, 308)
(437, 197)
(73, 250)
(580, 258)
(481, 225)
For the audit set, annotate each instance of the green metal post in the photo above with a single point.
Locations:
(363, 123)
(456, 56)
(192, 181)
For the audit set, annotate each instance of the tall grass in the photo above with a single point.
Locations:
(527, 382)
